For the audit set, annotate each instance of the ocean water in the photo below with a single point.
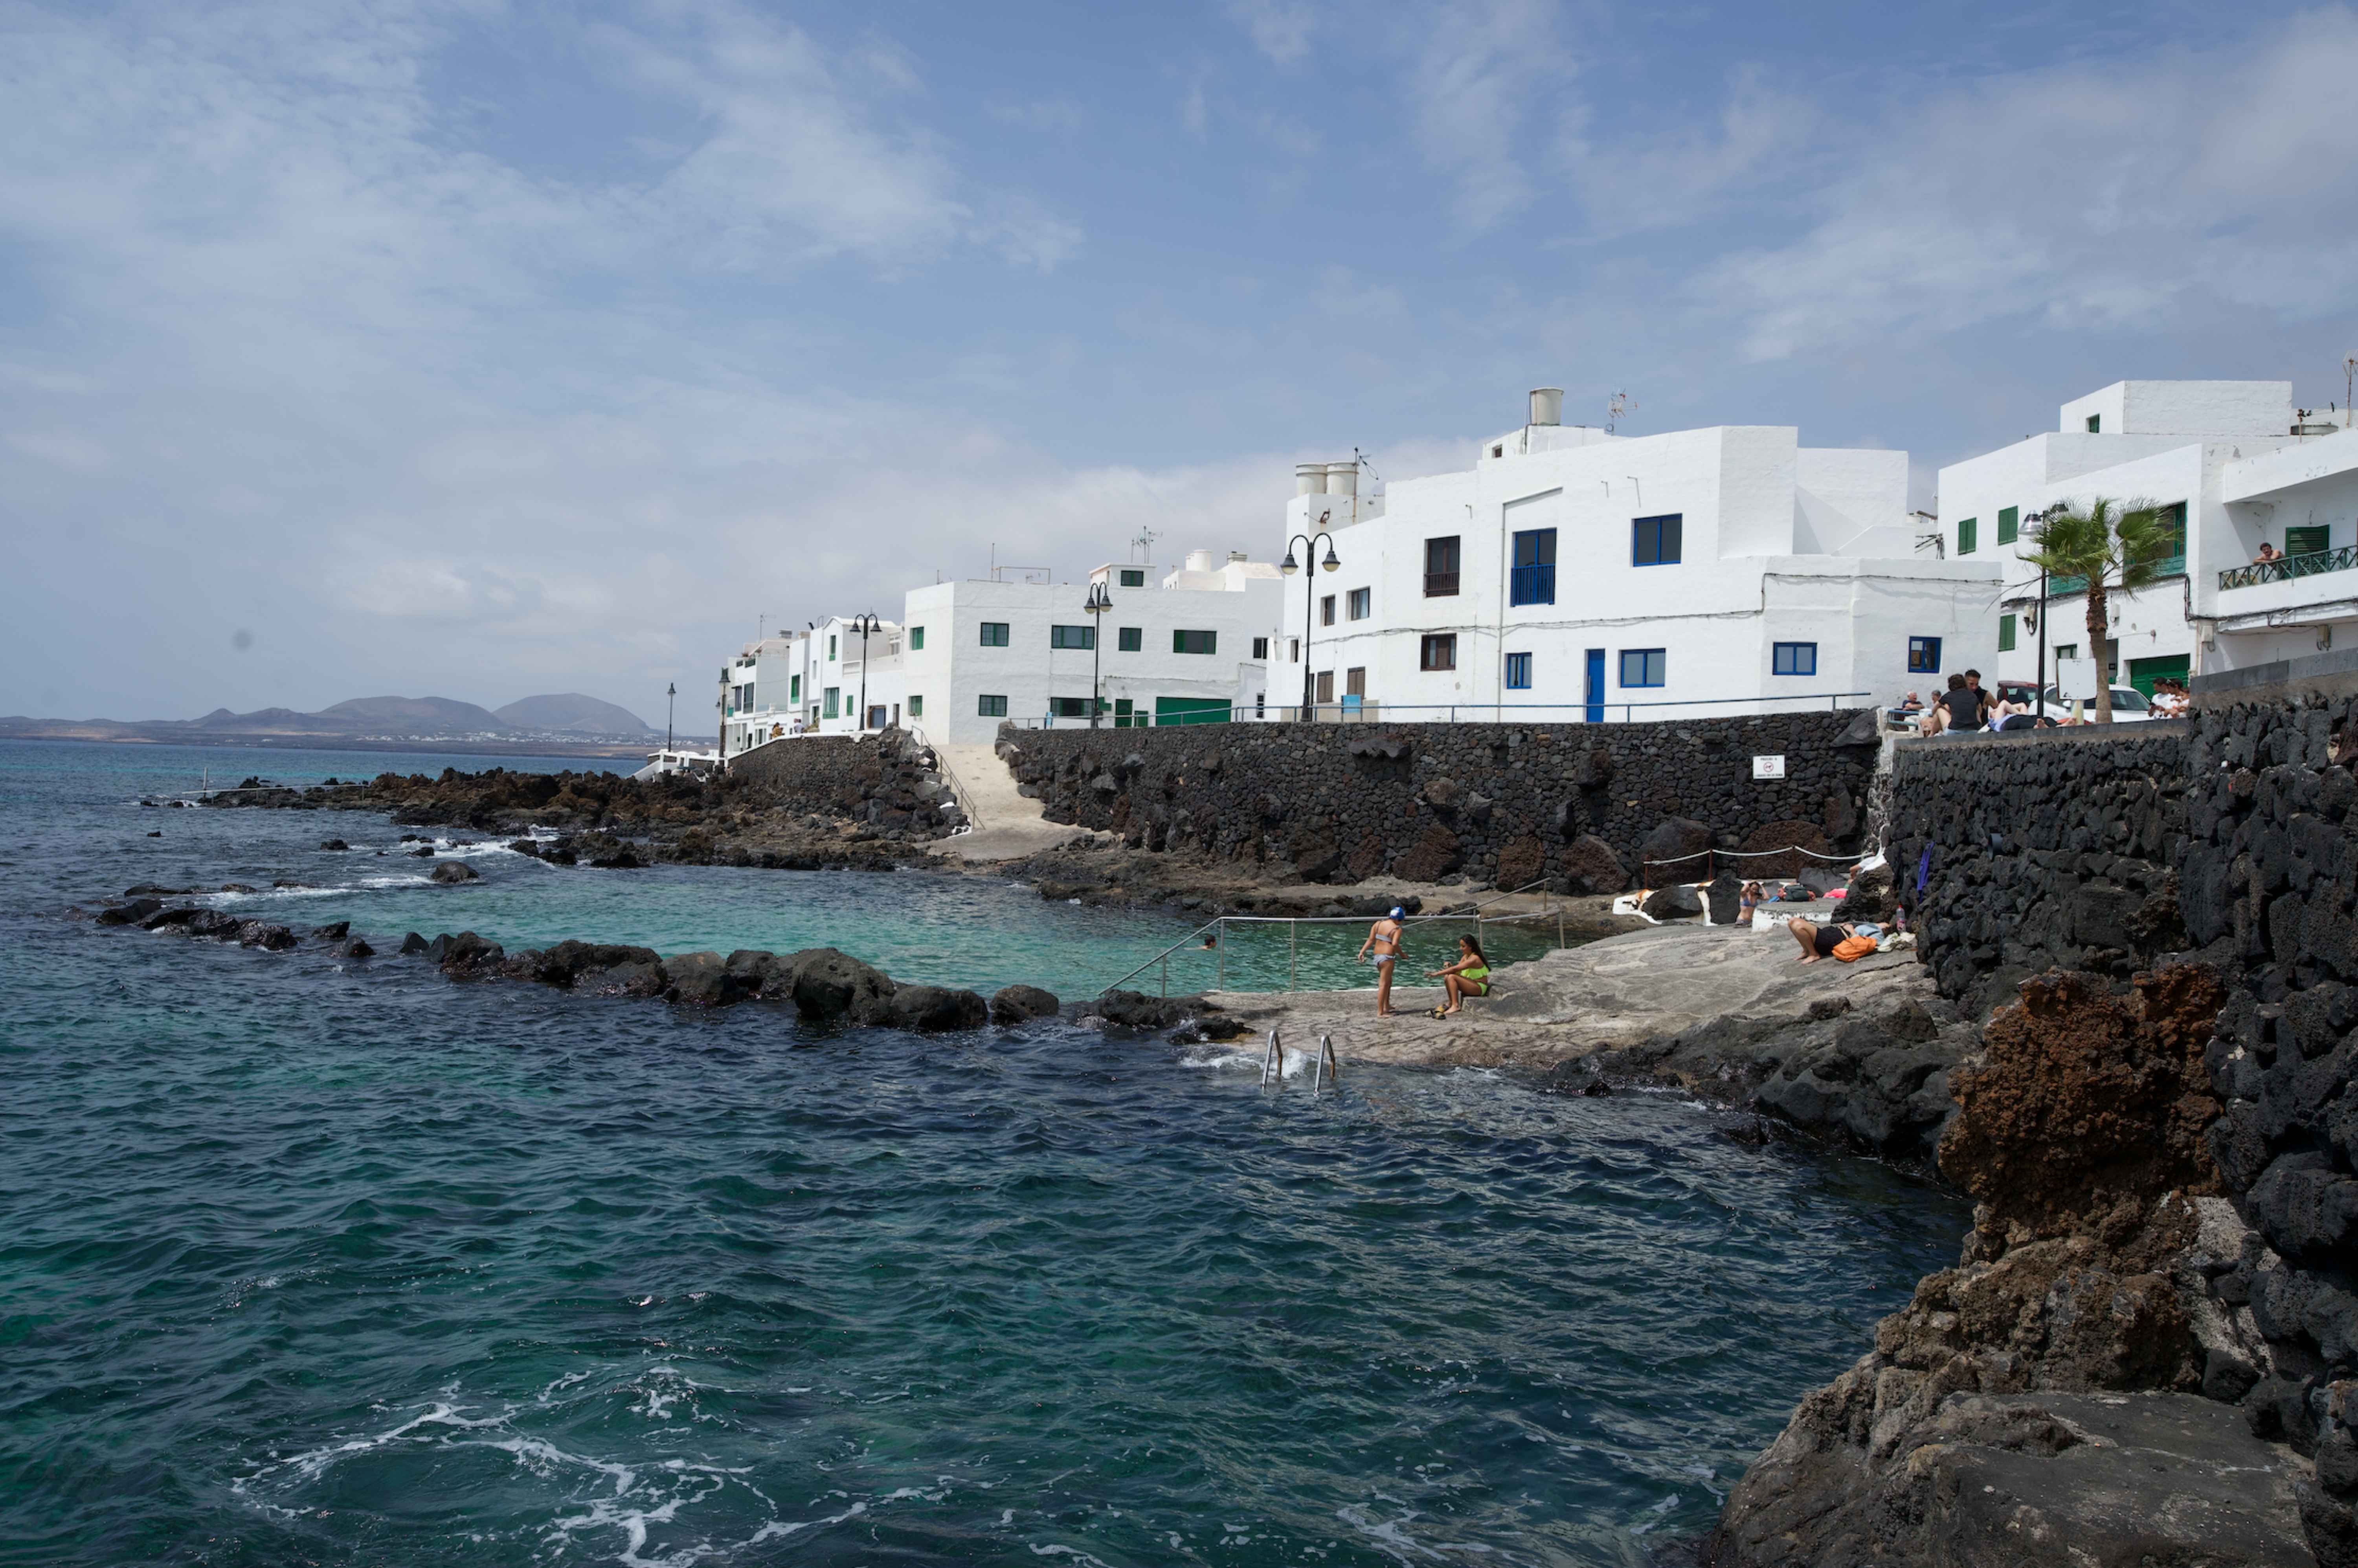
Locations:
(311, 1262)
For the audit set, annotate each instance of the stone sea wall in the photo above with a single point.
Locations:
(2046, 849)
(2161, 1134)
(888, 780)
(1586, 806)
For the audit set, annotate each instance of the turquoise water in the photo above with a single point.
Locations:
(348, 1264)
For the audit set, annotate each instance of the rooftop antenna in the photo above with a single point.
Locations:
(2349, 371)
(1144, 546)
(1620, 403)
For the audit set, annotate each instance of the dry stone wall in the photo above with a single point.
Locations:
(1588, 807)
(888, 780)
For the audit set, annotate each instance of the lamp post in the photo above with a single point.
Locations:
(671, 701)
(864, 624)
(1098, 603)
(1288, 566)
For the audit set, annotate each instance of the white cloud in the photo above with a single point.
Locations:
(1278, 28)
(1632, 182)
(2097, 196)
(1477, 71)
(66, 448)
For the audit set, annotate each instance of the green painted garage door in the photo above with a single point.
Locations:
(2143, 673)
(1190, 710)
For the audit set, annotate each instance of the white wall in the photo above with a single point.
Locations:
(2184, 408)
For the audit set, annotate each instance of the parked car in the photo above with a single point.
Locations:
(2129, 704)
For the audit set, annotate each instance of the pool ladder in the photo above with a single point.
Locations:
(1324, 1065)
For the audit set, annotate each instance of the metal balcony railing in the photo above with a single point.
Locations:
(1534, 584)
(2309, 563)
(1440, 585)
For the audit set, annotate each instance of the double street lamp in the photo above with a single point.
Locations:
(1099, 601)
(1288, 565)
(863, 624)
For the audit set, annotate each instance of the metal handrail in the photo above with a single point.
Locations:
(2309, 563)
(1219, 922)
(1369, 712)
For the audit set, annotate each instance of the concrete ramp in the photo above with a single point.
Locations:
(1007, 826)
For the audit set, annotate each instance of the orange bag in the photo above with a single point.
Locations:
(1851, 949)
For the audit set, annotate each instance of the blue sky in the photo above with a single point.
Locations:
(486, 348)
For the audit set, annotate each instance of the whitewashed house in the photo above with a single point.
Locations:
(1571, 574)
(760, 692)
(2238, 468)
(845, 666)
(1185, 644)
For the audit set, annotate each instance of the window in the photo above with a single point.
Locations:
(1069, 707)
(1441, 568)
(2067, 649)
(2009, 524)
(1642, 666)
(1361, 603)
(2006, 634)
(1355, 682)
(1794, 659)
(1194, 641)
(1518, 672)
(1083, 637)
(1133, 577)
(1438, 652)
(793, 688)
(994, 633)
(833, 701)
(2308, 541)
(1293, 650)
(1129, 638)
(917, 706)
(2095, 421)
(1261, 648)
(1325, 692)
(1326, 610)
(1923, 655)
(1533, 581)
(1968, 532)
(917, 642)
(831, 645)
(1657, 541)
(990, 707)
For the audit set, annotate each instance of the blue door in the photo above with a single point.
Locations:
(1596, 685)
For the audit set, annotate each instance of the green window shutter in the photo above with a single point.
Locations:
(2009, 521)
(2308, 541)
(916, 638)
(1967, 528)
(2006, 634)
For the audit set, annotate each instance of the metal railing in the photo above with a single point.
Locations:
(1533, 584)
(1369, 712)
(1440, 585)
(1219, 923)
(2310, 563)
(1323, 1063)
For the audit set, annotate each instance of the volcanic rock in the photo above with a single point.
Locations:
(1016, 1004)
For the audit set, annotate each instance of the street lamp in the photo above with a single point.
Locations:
(1287, 565)
(671, 700)
(1098, 603)
(864, 624)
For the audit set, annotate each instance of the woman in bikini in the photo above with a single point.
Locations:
(1470, 976)
(1817, 941)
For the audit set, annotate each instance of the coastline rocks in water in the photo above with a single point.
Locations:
(213, 923)
(335, 932)
(131, 914)
(1135, 1010)
(357, 948)
(267, 935)
(422, 852)
(412, 944)
(934, 1009)
(705, 980)
(465, 956)
(829, 985)
(451, 871)
(334, 844)
(178, 915)
(1017, 1004)
(147, 889)
(1677, 901)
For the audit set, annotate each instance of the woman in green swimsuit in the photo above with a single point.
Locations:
(1470, 976)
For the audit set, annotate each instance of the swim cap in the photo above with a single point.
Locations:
(1398, 912)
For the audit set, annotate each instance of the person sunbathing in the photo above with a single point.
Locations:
(1470, 976)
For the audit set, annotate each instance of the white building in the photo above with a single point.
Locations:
(812, 682)
(1191, 644)
(760, 691)
(1606, 577)
(2230, 458)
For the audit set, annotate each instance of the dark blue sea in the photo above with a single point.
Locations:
(308, 1260)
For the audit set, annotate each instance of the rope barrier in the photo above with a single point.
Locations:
(1748, 855)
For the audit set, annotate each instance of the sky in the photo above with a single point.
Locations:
(482, 349)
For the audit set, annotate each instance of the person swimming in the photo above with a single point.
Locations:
(1470, 976)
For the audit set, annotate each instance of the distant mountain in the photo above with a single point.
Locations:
(571, 712)
(412, 716)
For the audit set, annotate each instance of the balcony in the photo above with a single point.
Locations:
(1534, 584)
(1441, 585)
(2286, 568)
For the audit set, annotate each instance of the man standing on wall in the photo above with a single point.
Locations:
(1384, 937)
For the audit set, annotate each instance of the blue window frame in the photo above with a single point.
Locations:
(1923, 655)
(1518, 672)
(1533, 580)
(1656, 541)
(1642, 666)
(1795, 659)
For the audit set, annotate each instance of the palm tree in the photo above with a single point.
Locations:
(2124, 541)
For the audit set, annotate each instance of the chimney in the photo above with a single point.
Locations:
(1547, 405)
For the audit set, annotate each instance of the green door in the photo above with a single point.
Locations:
(2143, 673)
(1190, 710)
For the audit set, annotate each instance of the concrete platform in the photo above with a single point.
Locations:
(1576, 1001)
(1007, 826)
